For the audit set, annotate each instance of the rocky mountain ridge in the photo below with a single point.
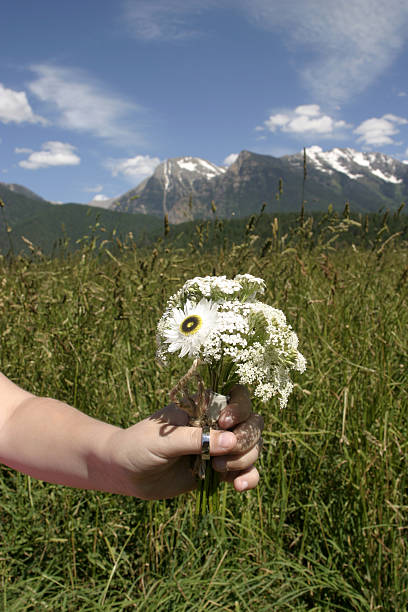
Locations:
(354, 164)
(183, 188)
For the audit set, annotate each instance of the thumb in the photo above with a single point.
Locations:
(187, 441)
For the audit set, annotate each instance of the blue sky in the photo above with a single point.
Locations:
(94, 94)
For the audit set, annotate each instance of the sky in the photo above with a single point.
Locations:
(95, 94)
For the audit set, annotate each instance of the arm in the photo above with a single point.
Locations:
(53, 441)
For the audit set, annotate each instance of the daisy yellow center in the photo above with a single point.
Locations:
(191, 325)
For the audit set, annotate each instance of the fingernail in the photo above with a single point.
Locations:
(243, 485)
(227, 421)
(226, 440)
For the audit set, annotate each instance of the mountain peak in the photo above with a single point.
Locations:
(170, 188)
(184, 187)
(189, 167)
(354, 164)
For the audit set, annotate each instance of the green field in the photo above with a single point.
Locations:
(327, 527)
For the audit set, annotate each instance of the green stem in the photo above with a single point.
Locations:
(208, 498)
(219, 379)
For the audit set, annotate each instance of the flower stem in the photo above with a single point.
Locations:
(208, 498)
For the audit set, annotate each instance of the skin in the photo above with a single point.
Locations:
(152, 459)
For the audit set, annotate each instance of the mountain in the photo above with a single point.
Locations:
(102, 202)
(169, 190)
(354, 164)
(20, 190)
(20, 203)
(184, 187)
(44, 224)
(368, 180)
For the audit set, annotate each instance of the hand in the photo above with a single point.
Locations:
(153, 457)
(238, 465)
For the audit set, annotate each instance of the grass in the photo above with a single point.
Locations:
(327, 527)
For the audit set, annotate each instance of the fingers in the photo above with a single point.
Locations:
(175, 440)
(243, 481)
(237, 462)
(238, 409)
(247, 480)
(248, 433)
(171, 415)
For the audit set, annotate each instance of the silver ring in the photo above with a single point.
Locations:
(205, 442)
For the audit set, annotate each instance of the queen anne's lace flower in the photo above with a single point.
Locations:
(220, 320)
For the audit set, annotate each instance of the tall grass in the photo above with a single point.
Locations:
(327, 527)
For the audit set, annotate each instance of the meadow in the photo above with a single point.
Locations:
(326, 529)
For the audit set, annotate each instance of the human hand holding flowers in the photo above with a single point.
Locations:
(53, 441)
(153, 458)
(232, 338)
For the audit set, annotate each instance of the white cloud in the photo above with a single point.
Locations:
(305, 119)
(309, 110)
(100, 198)
(84, 105)
(138, 167)
(15, 108)
(379, 131)
(340, 47)
(277, 121)
(53, 153)
(230, 159)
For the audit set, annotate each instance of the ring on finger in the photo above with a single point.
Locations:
(205, 443)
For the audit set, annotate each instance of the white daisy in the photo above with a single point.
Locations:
(187, 328)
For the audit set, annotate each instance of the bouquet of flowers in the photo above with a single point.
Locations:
(231, 337)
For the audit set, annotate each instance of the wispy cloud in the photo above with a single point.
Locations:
(379, 131)
(133, 168)
(15, 107)
(53, 153)
(82, 104)
(164, 19)
(304, 119)
(96, 189)
(341, 47)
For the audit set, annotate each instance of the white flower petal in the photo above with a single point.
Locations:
(188, 343)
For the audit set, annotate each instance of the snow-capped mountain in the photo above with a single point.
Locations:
(191, 168)
(168, 191)
(354, 164)
(184, 187)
